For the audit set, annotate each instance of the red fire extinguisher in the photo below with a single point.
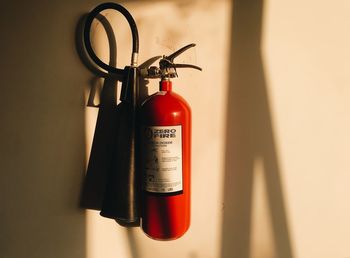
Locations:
(164, 142)
(165, 138)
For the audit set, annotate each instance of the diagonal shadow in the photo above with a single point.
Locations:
(249, 135)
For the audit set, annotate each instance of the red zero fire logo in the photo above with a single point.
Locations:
(152, 133)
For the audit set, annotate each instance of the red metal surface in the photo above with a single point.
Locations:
(168, 217)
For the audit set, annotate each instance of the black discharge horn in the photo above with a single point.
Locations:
(121, 198)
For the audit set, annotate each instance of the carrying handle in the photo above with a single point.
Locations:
(168, 61)
(179, 52)
(135, 36)
(167, 67)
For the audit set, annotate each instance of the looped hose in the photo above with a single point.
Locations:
(135, 36)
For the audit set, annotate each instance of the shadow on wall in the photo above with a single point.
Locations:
(42, 148)
(249, 136)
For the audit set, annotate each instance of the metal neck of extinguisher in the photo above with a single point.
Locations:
(167, 67)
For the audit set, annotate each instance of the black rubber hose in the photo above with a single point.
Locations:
(135, 35)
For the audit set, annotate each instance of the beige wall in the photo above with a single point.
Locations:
(42, 131)
(270, 128)
(306, 49)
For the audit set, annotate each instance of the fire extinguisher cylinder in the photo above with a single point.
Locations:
(165, 137)
(166, 164)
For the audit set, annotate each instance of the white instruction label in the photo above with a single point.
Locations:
(162, 158)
